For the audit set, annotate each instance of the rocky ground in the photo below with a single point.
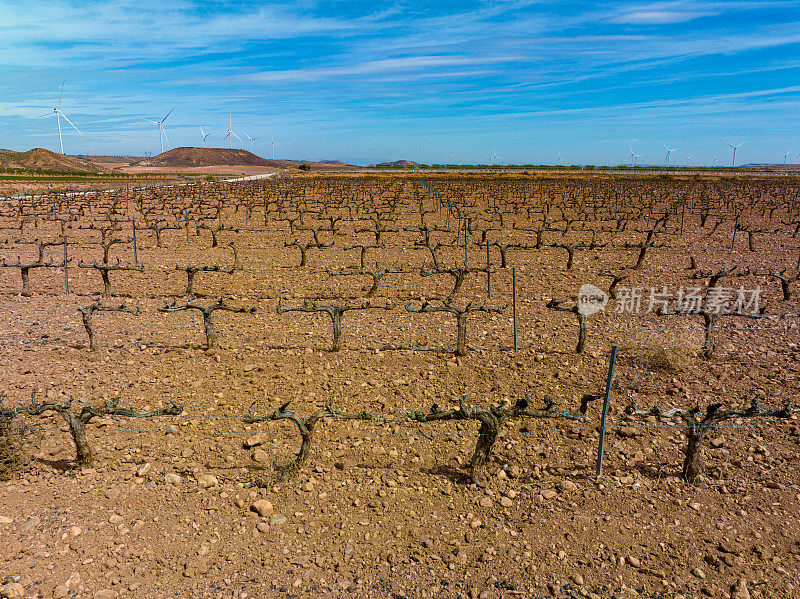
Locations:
(193, 505)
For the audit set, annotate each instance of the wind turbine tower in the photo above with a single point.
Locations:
(59, 114)
(669, 151)
(162, 135)
(733, 162)
(231, 134)
(204, 134)
(252, 139)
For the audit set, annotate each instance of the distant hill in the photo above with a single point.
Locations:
(192, 157)
(39, 159)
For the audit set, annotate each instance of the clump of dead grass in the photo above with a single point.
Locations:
(663, 351)
(14, 459)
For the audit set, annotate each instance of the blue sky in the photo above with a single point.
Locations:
(373, 81)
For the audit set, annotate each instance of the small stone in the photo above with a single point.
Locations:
(6, 519)
(207, 480)
(12, 590)
(30, 523)
(308, 487)
(143, 469)
(577, 579)
(112, 493)
(732, 548)
(277, 519)
(633, 561)
(627, 431)
(106, 594)
(485, 501)
(262, 507)
(172, 479)
(73, 581)
(116, 519)
(568, 486)
(548, 493)
(740, 590)
(262, 527)
(260, 456)
(506, 502)
(695, 506)
(75, 531)
(257, 439)
(699, 573)
(60, 591)
(339, 465)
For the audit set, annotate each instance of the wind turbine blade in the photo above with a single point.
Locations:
(165, 135)
(70, 122)
(227, 136)
(43, 115)
(236, 136)
(154, 122)
(169, 113)
(61, 93)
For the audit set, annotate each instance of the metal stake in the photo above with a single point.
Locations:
(135, 252)
(609, 380)
(488, 271)
(514, 287)
(66, 278)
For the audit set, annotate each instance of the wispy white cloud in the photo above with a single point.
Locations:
(360, 67)
(660, 17)
(420, 64)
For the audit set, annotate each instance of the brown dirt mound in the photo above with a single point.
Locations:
(39, 159)
(187, 157)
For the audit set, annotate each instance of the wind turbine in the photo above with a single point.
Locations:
(59, 114)
(668, 152)
(493, 156)
(252, 139)
(632, 157)
(231, 134)
(785, 155)
(715, 161)
(204, 134)
(162, 134)
(733, 162)
(273, 143)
